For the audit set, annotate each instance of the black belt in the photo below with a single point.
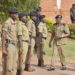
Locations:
(25, 41)
(11, 41)
(33, 37)
(44, 37)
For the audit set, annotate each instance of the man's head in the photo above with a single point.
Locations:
(73, 5)
(13, 12)
(42, 18)
(38, 10)
(58, 18)
(33, 16)
(23, 17)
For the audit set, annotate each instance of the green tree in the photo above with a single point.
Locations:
(22, 5)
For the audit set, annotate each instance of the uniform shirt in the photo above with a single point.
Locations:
(23, 31)
(73, 11)
(42, 29)
(31, 28)
(0, 28)
(60, 31)
(10, 27)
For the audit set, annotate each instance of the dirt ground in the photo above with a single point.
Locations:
(43, 70)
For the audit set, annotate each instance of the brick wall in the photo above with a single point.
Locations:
(49, 8)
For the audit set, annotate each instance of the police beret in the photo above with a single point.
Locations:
(38, 9)
(13, 10)
(22, 14)
(73, 4)
(58, 16)
(42, 16)
(33, 14)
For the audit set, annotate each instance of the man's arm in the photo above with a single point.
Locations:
(52, 36)
(20, 36)
(40, 30)
(71, 13)
(51, 39)
(20, 42)
(4, 33)
(4, 42)
(66, 32)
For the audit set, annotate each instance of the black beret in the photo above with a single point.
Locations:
(73, 4)
(22, 14)
(13, 10)
(38, 9)
(58, 16)
(42, 16)
(33, 14)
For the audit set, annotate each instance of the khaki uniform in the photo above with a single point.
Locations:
(32, 33)
(0, 33)
(23, 31)
(0, 28)
(59, 31)
(10, 27)
(43, 30)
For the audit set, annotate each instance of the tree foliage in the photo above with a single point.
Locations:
(22, 5)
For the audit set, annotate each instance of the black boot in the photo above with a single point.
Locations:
(52, 68)
(39, 62)
(63, 67)
(18, 72)
(42, 63)
(28, 68)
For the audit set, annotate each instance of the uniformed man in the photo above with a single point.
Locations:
(23, 35)
(38, 14)
(72, 13)
(37, 21)
(0, 32)
(60, 31)
(9, 43)
(32, 34)
(42, 35)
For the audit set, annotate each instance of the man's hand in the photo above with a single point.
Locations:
(57, 38)
(29, 46)
(21, 51)
(4, 52)
(49, 44)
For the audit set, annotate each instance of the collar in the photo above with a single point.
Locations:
(12, 21)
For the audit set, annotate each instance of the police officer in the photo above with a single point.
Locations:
(60, 32)
(32, 34)
(42, 35)
(9, 43)
(72, 13)
(37, 11)
(23, 35)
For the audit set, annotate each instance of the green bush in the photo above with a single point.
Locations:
(22, 5)
(49, 23)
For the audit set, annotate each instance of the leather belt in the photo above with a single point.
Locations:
(11, 41)
(25, 41)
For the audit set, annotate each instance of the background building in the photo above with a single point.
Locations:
(49, 8)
